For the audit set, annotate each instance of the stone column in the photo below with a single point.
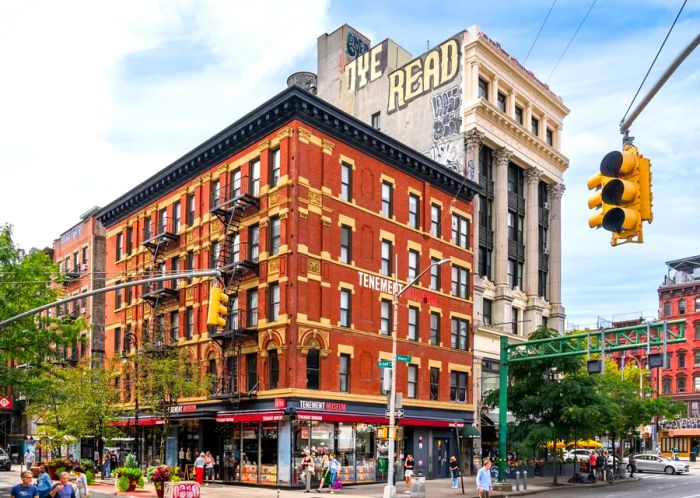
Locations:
(474, 93)
(527, 119)
(557, 314)
(532, 255)
(510, 104)
(543, 128)
(472, 143)
(501, 311)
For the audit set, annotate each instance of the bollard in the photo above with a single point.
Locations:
(525, 480)
(517, 481)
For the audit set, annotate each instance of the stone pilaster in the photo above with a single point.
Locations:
(472, 144)
(557, 314)
(533, 312)
(501, 311)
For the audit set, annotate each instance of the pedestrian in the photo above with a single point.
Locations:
(107, 466)
(408, 472)
(62, 489)
(28, 459)
(325, 472)
(43, 483)
(483, 480)
(334, 469)
(658, 449)
(307, 469)
(454, 471)
(81, 485)
(112, 461)
(97, 459)
(632, 464)
(199, 464)
(25, 489)
(592, 462)
(209, 467)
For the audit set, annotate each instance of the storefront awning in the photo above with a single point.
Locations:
(127, 422)
(270, 416)
(341, 417)
(683, 432)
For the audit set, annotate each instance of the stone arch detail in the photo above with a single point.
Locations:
(271, 338)
(314, 339)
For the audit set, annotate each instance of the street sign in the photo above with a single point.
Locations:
(405, 359)
(397, 413)
(384, 363)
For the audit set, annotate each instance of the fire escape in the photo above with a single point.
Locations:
(237, 261)
(158, 294)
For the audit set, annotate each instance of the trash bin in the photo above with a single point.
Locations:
(693, 455)
(418, 485)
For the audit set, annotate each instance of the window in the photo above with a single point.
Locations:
(697, 304)
(345, 307)
(190, 210)
(413, 323)
(376, 123)
(460, 282)
(486, 313)
(174, 326)
(696, 358)
(118, 341)
(313, 359)
(515, 318)
(414, 211)
(519, 114)
(667, 385)
(189, 316)
(681, 359)
(459, 336)
(483, 89)
(535, 126)
(385, 322)
(681, 307)
(346, 182)
(274, 167)
(434, 383)
(680, 384)
(118, 248)
(251, 370)
(274, 235)
(85, 257)
(501, 102)
(435, 280)
(252, 310)
(434, 328)
(147, 228)
(435, 220)
(694, 409)
(255, 178)
(550, 137)
(162, 221)
(235, 184)
(233, 315)
(215, 193)
(175, 269)
(214, 253)
(344, 371)
(385, 268)
(345, 244)
(273, 366)
(667, 309)
(413, 257)
(515, 273)
(381, 380)
(387, 199)
(460, 231)
(129, 239)
(190, 260)
(696, 384)
(118, 298)
(128, 291)
(458, 387)
(273, 302)
(177, 215)
(413, 381)
(253, 242)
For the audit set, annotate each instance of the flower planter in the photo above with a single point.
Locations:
(132, 484)
(160, 488)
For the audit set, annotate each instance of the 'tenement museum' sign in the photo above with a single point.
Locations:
(377, 283)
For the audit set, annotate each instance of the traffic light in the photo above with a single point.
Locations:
(218, 309)
(622, 196)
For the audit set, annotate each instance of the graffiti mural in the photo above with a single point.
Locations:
(449, 153)
(447, 119)
(355, 46)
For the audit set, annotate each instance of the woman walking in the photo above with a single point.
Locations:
(209, 467)
(43, 483)
(454, 471)
(408, 472)
(334, 467)
(325, 472)
(199, 468)
(106, 466)
(81, 485)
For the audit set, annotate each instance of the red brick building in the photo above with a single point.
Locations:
(679, 299)
(310, 214)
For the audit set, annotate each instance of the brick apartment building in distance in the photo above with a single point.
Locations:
(679, 299)
(469, 105)
(304, 208)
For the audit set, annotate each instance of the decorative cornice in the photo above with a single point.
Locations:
(556, 190)
(293, 103)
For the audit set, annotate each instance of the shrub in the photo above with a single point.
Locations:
(123, 483)
(130, 461)
(128, 472)
(140, 483)
(87, 464)
(90, 477)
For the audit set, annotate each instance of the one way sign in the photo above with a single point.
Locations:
(397, 413)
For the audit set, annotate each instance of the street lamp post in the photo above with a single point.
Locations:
(641, 372)
(390, 488)
(129, 340)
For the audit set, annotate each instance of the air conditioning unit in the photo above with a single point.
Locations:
(545, 250)
(83, 310)
(546, 205)
(84, 267)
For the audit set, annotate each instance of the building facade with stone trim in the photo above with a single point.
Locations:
(331, 216)
(469, 105)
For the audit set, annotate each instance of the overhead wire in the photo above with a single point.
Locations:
(540, 31)
(653, 62)
(571, 40)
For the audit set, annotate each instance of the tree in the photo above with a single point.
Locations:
(27, 346)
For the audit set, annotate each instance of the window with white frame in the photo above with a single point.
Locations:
(459, 337)
(413, 259)
(435, 214)
(345, 307)
(458, 387)
(387, 199)
(414, 211)
(254, 177)
(385, 268)
(434, 328)
(413, 320)
(385, 319)
(412, 381)
(273, 302)
(345, 244)
(346, 182)
(274, 167)
(460, 231)
(460, 282)
(435, 281)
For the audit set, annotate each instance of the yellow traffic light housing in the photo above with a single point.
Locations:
(622, 195)
(218, 309)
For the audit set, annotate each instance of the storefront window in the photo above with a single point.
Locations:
(365, 456)
(322, 439)
(268, 453)
(230, 451)
(301, 443)
(345, 451)
(249, 455)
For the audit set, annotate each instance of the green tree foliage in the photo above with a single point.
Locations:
(29, 345)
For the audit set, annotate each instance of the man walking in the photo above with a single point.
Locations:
(25, 489)
(28, 459)
(632, 464)
(483, 480)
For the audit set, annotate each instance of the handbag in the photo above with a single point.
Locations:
(338, 484)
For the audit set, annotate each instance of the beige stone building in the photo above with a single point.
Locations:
(472, 107)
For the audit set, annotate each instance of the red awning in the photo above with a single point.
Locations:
(341, 417)
(429, 422)
(142, 422)
(272, 416)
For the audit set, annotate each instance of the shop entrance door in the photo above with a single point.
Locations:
(441, 457)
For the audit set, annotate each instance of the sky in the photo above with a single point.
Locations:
(96, 97)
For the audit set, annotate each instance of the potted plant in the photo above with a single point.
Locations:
(160, 475)
(129, 475)
(56, 466)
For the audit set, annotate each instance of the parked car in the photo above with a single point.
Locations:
(581, 455)
(5, 463)
(648, 462)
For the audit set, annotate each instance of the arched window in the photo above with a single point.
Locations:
(313, 367)
(666, 387)
(680, 384)
(273, 366)
(681, 306)
(696, 326)
(667, 309)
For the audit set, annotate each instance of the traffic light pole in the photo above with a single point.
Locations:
(621, 339)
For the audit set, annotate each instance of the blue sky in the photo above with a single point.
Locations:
(96, 97)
